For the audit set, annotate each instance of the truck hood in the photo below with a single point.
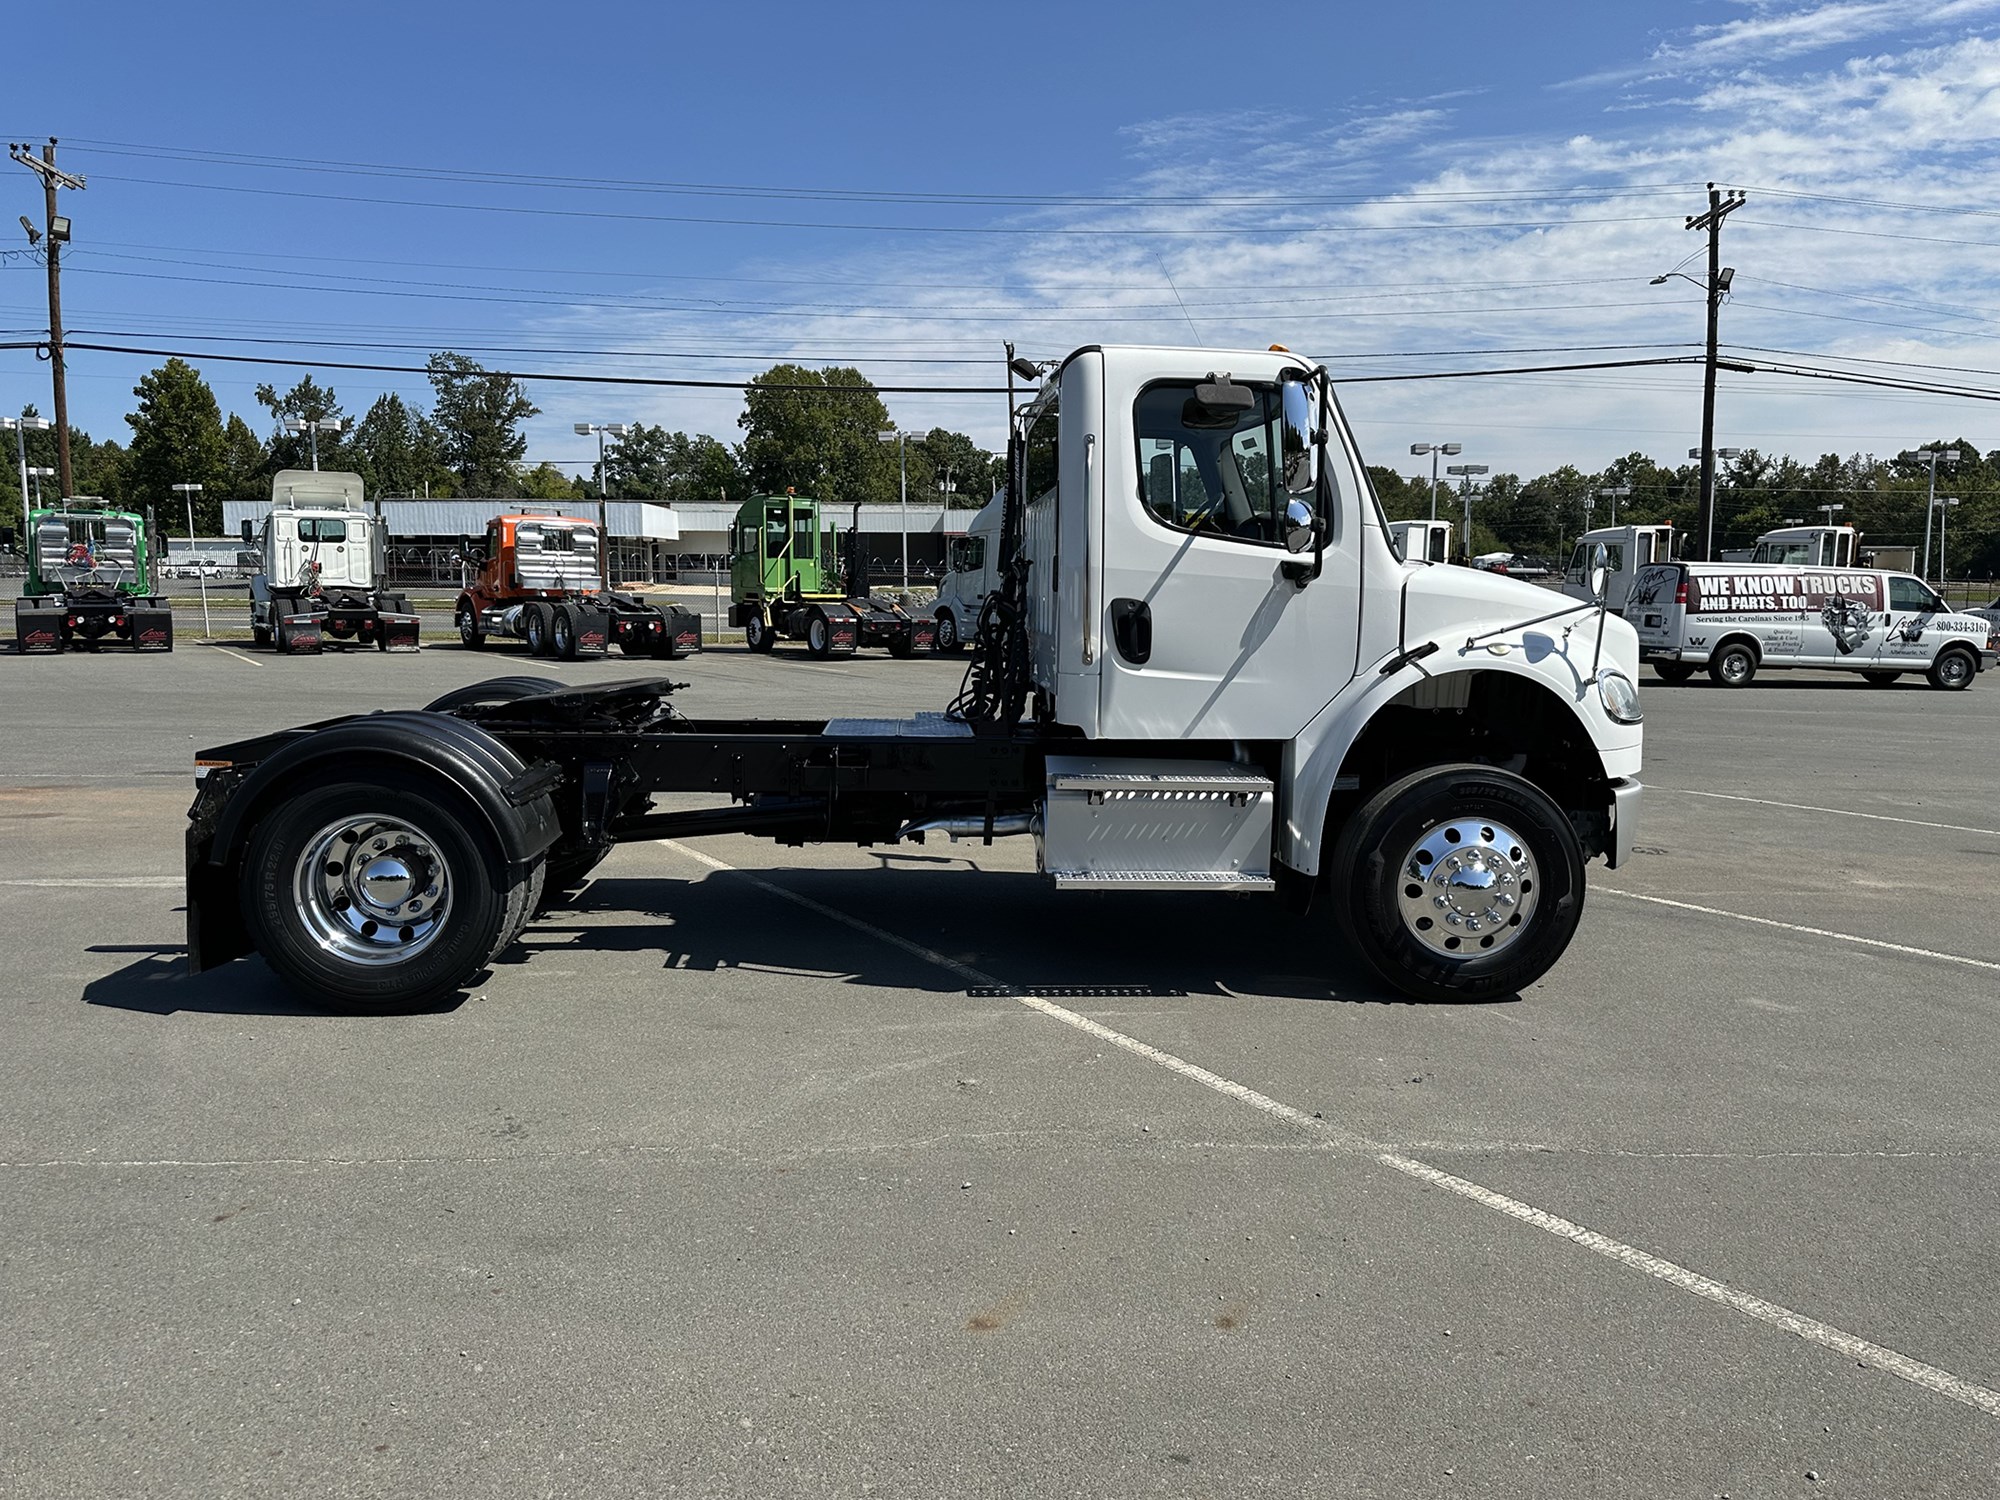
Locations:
(1447, 604)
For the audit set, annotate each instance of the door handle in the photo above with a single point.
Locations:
(1132, 629)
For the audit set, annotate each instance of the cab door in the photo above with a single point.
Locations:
(1199, 631)
(1910, 608)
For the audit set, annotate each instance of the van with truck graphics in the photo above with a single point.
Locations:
(1738, 619)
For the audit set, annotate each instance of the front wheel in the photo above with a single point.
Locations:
(1953, 670)
(757, 633)
(260, 636)
(1459, 883)
(378, 896)
(1673, 672)
(948, 639)
(1733, 666)
(470, 635)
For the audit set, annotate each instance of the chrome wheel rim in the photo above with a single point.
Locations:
(947, 632)
(1735, 666)
(562, 629)
(372, 890)
(1468, 888)
(1952, 670)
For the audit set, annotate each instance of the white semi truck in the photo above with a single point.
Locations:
(1204, 668)
(325, 569)
(971, 569)
(1627, 549)
(1422, 541)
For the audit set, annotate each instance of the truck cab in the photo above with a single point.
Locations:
(325, 569)
(1627, 550)
(788, 581)
(540, 581)
(90, 582)
(1808, 547)
(971, 562)
(1422, 541)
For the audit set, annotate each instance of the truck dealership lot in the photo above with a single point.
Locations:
(829, 1170)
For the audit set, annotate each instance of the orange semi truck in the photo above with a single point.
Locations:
(538, 582)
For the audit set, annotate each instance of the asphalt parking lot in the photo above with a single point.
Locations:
(846, 1171)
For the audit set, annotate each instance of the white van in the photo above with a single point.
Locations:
(1627, 549)
(971, 563)
(1739, 618)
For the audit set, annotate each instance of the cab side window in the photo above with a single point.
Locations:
(1044, 455)
(1215, 477)
(1907, 593)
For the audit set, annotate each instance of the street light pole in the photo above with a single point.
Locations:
(1944, 504)
(901, 440)
(22, 426)
(38, 474)
(1720, 206)
(621, 431)
(1434, 449)
(1931, 456)
(188, 492)
(1616, 493)
(1465, 472)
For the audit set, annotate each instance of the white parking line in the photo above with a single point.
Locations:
(107, 883)
(1845, 812)
(237, 654)
(1929, 1377)
(1842, 937)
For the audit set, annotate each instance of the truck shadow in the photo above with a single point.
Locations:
(156, 983)
(1010, 928)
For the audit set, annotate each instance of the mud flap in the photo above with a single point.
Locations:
(299, 635)
(593, 628)
(843, 629)
(923, 633)
(38, 627)
(398, 632)
(152, 623)
(681, 635)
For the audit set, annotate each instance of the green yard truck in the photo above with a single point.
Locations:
(89, 583)
(787, 578)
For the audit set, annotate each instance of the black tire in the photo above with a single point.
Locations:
(757, 632)
(469, 634)
(491, 693)
(562, 633)
(1673, 672)
(484, 911)
(949, 641)
(1734, 666)
(260, 636)
(819, 636)
(1953, 670)
(1382, 841)
(1879, 679)
(902, 646)
(535, 629)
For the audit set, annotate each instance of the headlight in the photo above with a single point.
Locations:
(1620, 698)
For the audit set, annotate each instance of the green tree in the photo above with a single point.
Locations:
(652, 463)
(177, 438)
(244, 459)
(950, 465)
(820, 440)
(546, 482)
(397, 449)
(478, 418)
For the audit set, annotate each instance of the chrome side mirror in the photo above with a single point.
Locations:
(1299, 527)
(1600, 572)
(1301, 454)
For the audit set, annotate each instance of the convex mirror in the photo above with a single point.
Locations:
(1298, 526)
(1301, 455)
(1600, 571)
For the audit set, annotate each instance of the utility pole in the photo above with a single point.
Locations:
(1720, 206)
(55, 228)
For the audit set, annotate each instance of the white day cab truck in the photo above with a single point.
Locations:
(326, 569)
(1211, 673)
(972, 566)
(1739, 618)
(1422, 541)
(1627, 549)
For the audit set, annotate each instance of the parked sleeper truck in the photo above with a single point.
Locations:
(89, 583)
(1211, 674)
(324, 579)
(789, 578)
(538, 582)
(971, 563)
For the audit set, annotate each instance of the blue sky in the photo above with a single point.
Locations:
(651, 190)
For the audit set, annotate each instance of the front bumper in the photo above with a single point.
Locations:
(1625, 797)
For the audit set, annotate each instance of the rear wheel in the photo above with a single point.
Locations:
(1733, 666)
(948, 639)
(1459, 883)
(1879, 679)
(492, 693)
(536, 628)
(563, 633)
(819, 635)
(378, 896)
(1953, 670)
(1674, 672)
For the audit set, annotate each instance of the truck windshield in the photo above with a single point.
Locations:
(1219, 480)
(312, 529)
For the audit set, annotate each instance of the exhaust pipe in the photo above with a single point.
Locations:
(966, 826)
